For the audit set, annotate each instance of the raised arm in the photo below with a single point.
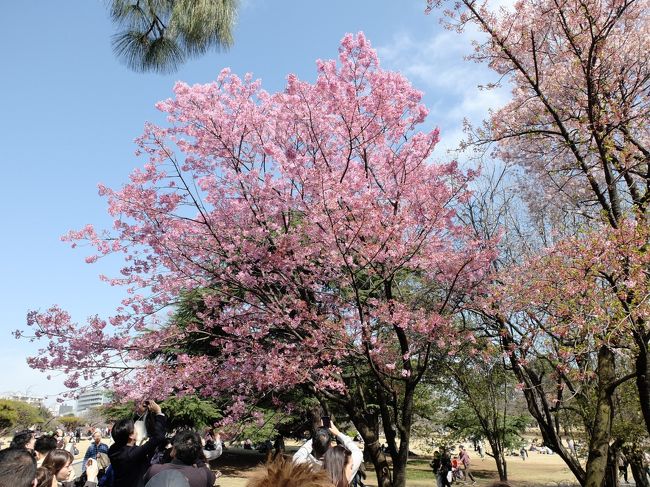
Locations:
(351, 446)
(302, 455)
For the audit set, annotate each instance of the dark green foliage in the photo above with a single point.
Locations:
(71, 422)
(117, 411)
(464, 422)
(190, 412)
(181, 412)
(8, 414)
(160, 35)
(20, 415)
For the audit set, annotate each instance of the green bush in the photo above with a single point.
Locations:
(19, 415)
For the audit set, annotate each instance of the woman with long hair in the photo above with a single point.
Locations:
(59, 463)
(337, 462)
(44, 478)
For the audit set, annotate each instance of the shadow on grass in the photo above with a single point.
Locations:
(419, 469)
(237, 462)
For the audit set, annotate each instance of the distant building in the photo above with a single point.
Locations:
(33, 400)
(90, 399)
(65, 409)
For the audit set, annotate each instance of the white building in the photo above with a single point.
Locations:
(33, 400)
(90, 399)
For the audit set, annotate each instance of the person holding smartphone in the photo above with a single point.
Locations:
(314, 450)
(342, 461)
(187, 458)
(130, 462)
(143, 422)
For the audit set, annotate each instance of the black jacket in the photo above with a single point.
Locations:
(131, 462)
(445, 464)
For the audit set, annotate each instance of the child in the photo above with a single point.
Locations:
(457, 473)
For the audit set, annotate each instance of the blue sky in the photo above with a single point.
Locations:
(70, 112)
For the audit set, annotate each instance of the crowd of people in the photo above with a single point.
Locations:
(142, 455)
(448, 467)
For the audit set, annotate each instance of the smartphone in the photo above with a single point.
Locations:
(326, 421)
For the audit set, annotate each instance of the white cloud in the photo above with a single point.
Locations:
(436, 64)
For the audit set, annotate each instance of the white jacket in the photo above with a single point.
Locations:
(303, 455)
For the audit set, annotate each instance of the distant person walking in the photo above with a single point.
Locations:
(622, 466)
(523, 453)
(435, 466)
(463, 456)
(444, 471)
(481, 450)
(278, 446)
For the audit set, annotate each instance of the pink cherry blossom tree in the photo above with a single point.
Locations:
(577, 121)
(567, 328)
(318, 242)
(511, 320)
(577, 128)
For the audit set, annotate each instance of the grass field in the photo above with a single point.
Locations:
(537, 470)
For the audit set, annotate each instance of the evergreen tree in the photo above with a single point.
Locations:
(160, 35)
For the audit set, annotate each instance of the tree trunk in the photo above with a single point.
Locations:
(601, 432)
(404, 429)
(399, 467)
(643, 381)
(372, 447)
(379, 461)
(500, 460)
(540, 410)
(635, 457)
